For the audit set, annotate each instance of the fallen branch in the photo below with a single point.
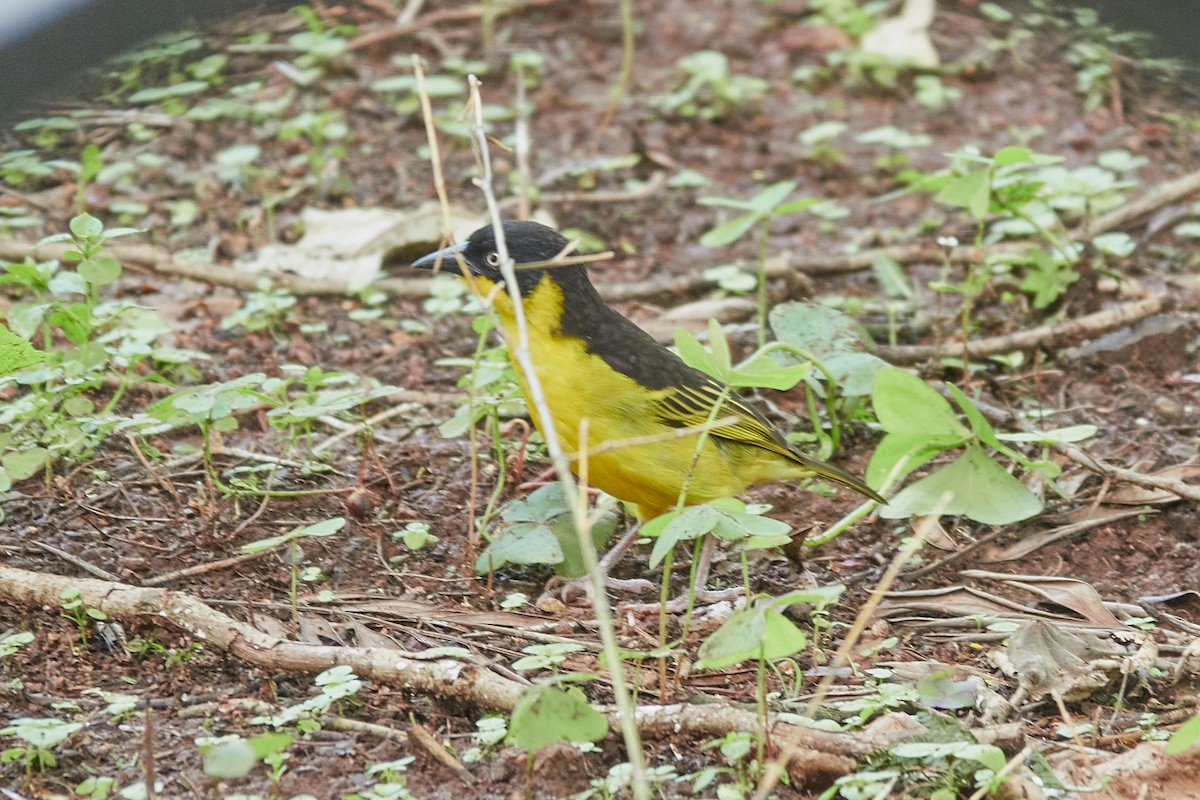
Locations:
(444, 677)
(1047, 336)
(1101, 467)
(1156, 198)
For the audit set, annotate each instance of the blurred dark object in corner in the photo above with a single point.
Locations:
(46, 43)
(1174, 24)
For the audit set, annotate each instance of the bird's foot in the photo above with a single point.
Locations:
(574, 589)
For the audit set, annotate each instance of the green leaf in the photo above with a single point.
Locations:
(264, 744)
(719, 349)
(522, 543)
(980, 489)
(1186, 736)
(74, 320)
(855, 372)
(941, 691)
(26, 318)
(1012, 155)
(326, 527)
(729, 231)
(85, 226)
(765, 201)
(821, 330)
(1071, 433)
(794, 206)
(89, 163)
(318, 529)
(546, 714)
(25, 463)
(892, 277)
(573, 565)
(738, 525)
(905, 404)
(913, 449)
(979, 424)
(765, 372)
(757, 631)
(233, 759)
(99, 271)
(971, 191)
(685, 525)
(692, 352)
(16, 353)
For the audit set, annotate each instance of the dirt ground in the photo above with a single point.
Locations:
(111, 513)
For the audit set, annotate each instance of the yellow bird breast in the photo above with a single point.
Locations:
(579, 385)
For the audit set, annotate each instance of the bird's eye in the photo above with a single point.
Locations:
(493, 259)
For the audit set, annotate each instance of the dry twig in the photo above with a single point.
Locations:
(443, 677)
(1055, 335)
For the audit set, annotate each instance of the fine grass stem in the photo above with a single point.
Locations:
(520, 350)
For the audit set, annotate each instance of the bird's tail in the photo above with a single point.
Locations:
(813, 466)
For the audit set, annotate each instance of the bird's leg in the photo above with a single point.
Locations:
(567, 590)
(696, 593)
(703, 563)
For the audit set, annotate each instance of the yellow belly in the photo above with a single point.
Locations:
(651, 477)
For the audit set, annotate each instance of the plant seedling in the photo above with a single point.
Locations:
(759, 210)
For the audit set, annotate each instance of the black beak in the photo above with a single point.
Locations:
(441, 257)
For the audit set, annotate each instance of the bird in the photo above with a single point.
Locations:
(595, 364)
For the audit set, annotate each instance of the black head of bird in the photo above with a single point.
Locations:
(527, 242)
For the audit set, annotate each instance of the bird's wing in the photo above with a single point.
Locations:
(684, 406)
(690, 404)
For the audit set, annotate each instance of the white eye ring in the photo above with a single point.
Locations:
(493, 259)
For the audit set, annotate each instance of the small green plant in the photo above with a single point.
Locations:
(295, 553)
(820, 138)
(83, 341)
(336, 685)
(392, 783)
(265, 309)
(415, 535)
(96, 787)
(118, 706)
(942, 770)
(757, 212)
(616, 783)
(13, 642)
(230, 757)
(710, 89)
(919, 424)
(737, 748)
(546, 656)
(74, 609)
(731, 278)
(40, 735)
(319, 44)
(47, 132)
(896, 141)
(324, 133)
(490, 731)
(934, 95)
(540, 529)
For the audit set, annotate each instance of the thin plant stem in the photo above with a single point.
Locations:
(626, 708)
(621, 87)
(762, 281)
